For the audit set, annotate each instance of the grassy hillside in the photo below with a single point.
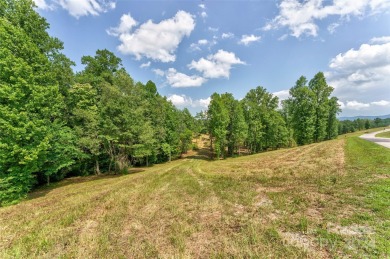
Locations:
(383, 134)
(319, 201)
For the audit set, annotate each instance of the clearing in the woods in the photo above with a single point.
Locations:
(324, 200)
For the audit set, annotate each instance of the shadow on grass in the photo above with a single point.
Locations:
(45, 189)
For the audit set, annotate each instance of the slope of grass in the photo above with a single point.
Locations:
(320, 201)
(383, 134)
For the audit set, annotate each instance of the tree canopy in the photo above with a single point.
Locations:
(56, 123)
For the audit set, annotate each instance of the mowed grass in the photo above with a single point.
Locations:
(383, 134)
(323, 200)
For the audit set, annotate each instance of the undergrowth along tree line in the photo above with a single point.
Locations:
(55, 123)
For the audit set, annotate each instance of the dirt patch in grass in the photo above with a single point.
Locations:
(262, 201)
(352, 230)
(305, 242)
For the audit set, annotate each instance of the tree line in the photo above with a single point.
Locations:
(56, 123)
(257, 123)
(348, 126)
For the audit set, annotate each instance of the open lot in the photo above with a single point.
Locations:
(318, 201)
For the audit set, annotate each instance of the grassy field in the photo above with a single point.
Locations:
(318, 201)
(383, 134)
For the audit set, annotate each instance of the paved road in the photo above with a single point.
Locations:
(381, 141)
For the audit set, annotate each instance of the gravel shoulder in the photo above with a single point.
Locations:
(381, 141)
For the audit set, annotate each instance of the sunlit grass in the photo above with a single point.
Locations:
(320, 201)
(383, 134)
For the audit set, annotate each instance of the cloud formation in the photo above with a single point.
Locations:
(301, 17)
(177, 79)
(41, 4)
(247, 39)
(360, 106)
(282, 95)
(185, 101)
(127, 23)
(380, 40)
(147, 64)
(217, 65)
(157, 41)
(202, 43)
(78, 8)
(363, 74)
(228, 35)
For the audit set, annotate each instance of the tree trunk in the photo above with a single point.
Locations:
(211, 147)
(230, 150)
(48, 180)
(97, 169)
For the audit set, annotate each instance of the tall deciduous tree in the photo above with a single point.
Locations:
(302, 108)
(321, 93)
(34, 142)
(310, 111)
(332, 122)
(218, 122)
(237, 127)
(266, 127)
(84, 119)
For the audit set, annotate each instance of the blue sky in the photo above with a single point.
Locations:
(192, 49)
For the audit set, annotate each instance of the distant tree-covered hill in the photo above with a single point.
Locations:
(364, 117)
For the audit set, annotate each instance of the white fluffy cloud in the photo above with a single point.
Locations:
(199, 44)
(217, 65)
(283, 95)
(228, 35)
(147, 64)
(177, 79)
(380, 40)
(159, 72)
(203, 43)
(185, 101)
(126, 24)
(179, 100)
(367, 56)
(204, 103)
(381, 103)
(247, 39)
(301, 16)
(361, 77)
(361, 106)
(354, 105)
(157, 41)
(78, 8)
(332, 27)
(41, 4)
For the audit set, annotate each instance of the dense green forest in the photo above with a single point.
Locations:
(56, 123)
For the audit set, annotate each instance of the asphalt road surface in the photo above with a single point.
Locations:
(381, 141)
